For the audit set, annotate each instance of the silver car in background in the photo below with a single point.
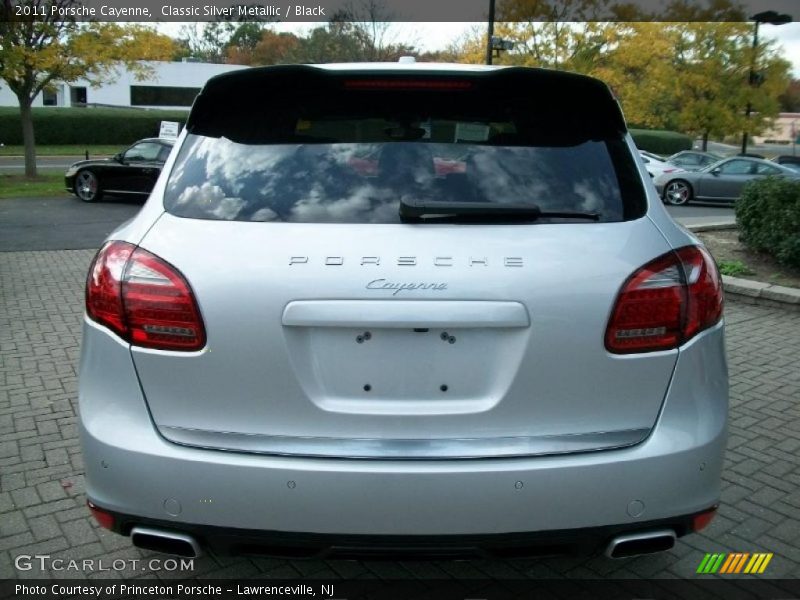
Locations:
(721, 182)
(404, 309)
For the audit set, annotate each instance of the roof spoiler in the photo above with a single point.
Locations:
(542, 98)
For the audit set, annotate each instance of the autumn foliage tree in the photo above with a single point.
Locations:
(690, 74)
(36, 51)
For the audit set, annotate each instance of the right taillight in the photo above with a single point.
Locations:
(143, 299)
(666, 302)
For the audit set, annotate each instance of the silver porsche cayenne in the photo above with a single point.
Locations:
(403, 309)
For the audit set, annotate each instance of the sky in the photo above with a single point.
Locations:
(436, 36)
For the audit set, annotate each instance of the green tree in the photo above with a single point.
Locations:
(36, 51)
(217, 41)
(638, 66)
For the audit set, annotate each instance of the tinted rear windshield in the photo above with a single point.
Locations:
(353, 161)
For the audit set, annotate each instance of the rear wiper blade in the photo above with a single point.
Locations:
(416, 210)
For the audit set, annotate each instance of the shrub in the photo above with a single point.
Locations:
(86, 125)
(659, 141)
(768, 215)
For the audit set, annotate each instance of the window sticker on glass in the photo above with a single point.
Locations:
(472, 132)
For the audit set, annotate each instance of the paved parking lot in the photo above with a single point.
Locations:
(66, 223)
(41, 473)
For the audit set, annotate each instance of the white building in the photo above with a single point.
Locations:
(785, 130)
(171, 85)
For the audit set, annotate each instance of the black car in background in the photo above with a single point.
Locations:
(132, 172)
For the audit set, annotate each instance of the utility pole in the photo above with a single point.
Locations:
(750, 81)
(755, 79)
(490, 36)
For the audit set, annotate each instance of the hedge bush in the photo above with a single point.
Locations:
(86, 125)
(768, 215)
(659, 141)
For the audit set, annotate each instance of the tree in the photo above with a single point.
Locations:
(207, 41)
(336, 42)
(273, 49)
(469, 47)
(224, 41)
(713, 63)
(371, 23)
(638, 66)
(36, 51)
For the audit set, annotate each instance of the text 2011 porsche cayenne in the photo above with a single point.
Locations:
(388, 309)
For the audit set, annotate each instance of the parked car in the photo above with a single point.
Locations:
(721, 182)
(288, 353)
(656, 166)
(652, 155)
(692, 160)
(131, 172)
(787, 160)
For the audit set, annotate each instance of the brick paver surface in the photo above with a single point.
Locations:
(42, 508)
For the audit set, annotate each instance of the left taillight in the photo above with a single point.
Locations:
(143, 299)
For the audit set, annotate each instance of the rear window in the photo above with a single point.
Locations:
(351, 158)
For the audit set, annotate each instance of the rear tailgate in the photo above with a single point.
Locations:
(335, 329)
(309, 351)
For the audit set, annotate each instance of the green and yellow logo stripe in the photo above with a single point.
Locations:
(735, 562)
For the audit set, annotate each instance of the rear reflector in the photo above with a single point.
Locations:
(666, 302)
(407, 84)
(143, 299)
(700, 521)
(105, 519)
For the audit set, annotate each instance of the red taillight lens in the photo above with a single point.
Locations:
(143, 299)
(666, 302)
(102, 517)
(159, 305)
(103, 286)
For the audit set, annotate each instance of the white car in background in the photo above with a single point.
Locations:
(656, 165)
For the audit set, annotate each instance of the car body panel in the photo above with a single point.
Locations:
(676, 470)
(501, 381)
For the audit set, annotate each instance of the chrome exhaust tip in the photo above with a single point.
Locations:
(636, 544)
(166, 542)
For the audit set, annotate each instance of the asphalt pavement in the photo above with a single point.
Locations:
(60, 222)
(66, 223)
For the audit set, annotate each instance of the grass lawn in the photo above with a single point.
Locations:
(46, 184)
(73, 150)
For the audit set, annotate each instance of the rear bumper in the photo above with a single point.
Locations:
(233, 541)
(135, 473)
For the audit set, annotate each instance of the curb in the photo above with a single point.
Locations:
(758, 292)
(753, 292)
(712, 226)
